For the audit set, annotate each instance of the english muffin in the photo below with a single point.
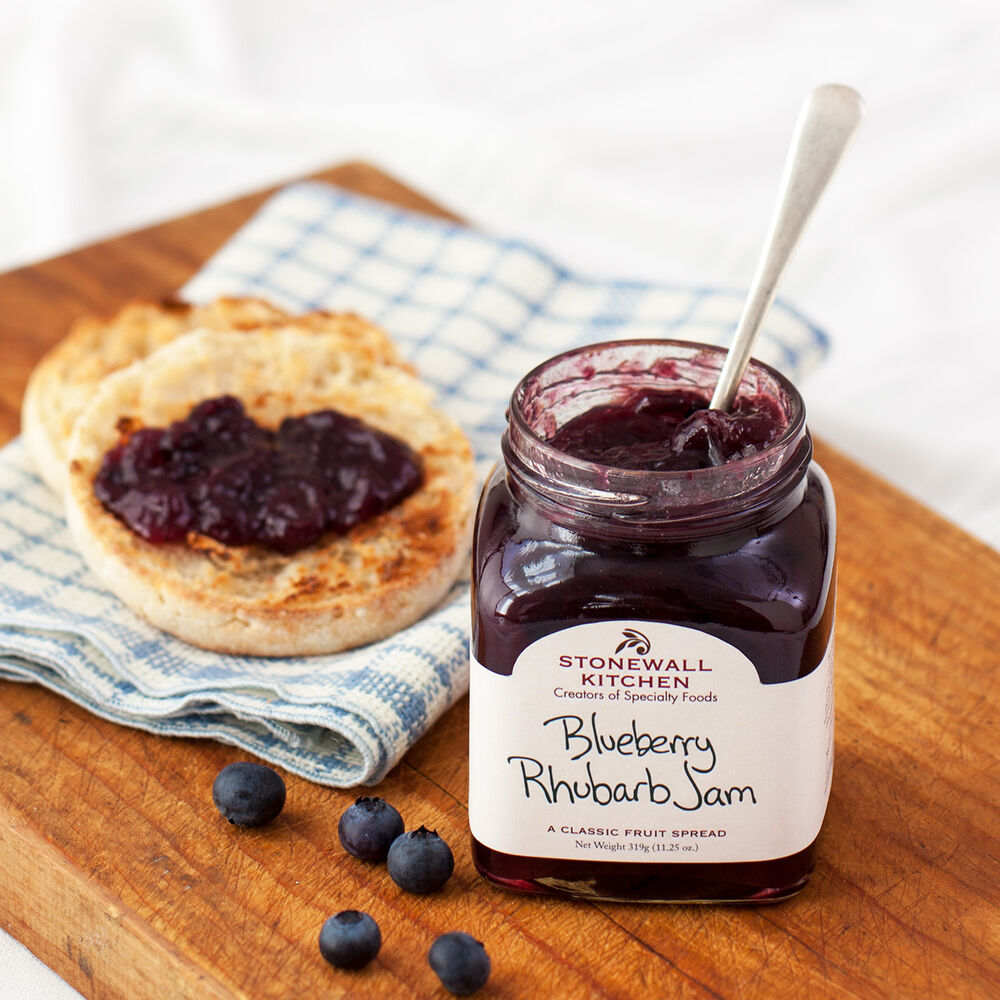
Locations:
(346, 589)
(65, 380)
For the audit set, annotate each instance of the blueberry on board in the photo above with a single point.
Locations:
(368, 828)
(420, 861)
(248, 794)
(460, 961)
(350, 939)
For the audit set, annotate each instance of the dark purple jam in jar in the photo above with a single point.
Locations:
(651, 706)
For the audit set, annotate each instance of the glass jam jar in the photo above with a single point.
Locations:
(651, 703)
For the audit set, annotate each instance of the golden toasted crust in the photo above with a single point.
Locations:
(346, 591)
(65, 380)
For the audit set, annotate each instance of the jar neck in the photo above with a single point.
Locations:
(638, 503)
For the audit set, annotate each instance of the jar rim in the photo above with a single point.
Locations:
(667, 494)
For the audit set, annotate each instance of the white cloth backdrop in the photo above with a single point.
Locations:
(634, 138)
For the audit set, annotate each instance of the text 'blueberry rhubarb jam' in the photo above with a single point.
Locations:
(651, 704)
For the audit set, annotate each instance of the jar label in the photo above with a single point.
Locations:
(644, 741)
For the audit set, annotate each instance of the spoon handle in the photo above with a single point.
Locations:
(828, 121)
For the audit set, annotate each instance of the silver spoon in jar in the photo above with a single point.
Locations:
(828, 121)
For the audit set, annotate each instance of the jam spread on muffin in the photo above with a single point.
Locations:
(218, 473)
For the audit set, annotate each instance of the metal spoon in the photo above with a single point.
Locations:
(828, 121)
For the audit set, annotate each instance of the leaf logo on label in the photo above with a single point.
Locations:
(633, 639)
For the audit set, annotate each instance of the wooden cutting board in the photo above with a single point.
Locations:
(118, 872)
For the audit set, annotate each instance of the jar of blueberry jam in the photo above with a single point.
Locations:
(651, 705)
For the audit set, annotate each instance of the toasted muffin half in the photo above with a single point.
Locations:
(65, 380)
(345, 590)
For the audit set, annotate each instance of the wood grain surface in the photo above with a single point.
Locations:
(119, 873)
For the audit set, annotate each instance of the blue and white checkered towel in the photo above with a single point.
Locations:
(474, 313)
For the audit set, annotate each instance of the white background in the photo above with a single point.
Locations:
(635, 138)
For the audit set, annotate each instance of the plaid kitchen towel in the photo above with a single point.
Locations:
(474, 312)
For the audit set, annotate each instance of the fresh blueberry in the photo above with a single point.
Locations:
(420, 861)
(460, 961)
(248, 794)
(368, 828)
(350, 939)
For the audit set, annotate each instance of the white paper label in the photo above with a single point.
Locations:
(643, 741)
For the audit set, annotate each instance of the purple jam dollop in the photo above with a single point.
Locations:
(671, 431)
(219, 473)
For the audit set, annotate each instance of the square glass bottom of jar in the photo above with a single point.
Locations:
(648, 882)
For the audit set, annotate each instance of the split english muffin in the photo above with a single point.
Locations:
(345, 590)
(65, 380)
